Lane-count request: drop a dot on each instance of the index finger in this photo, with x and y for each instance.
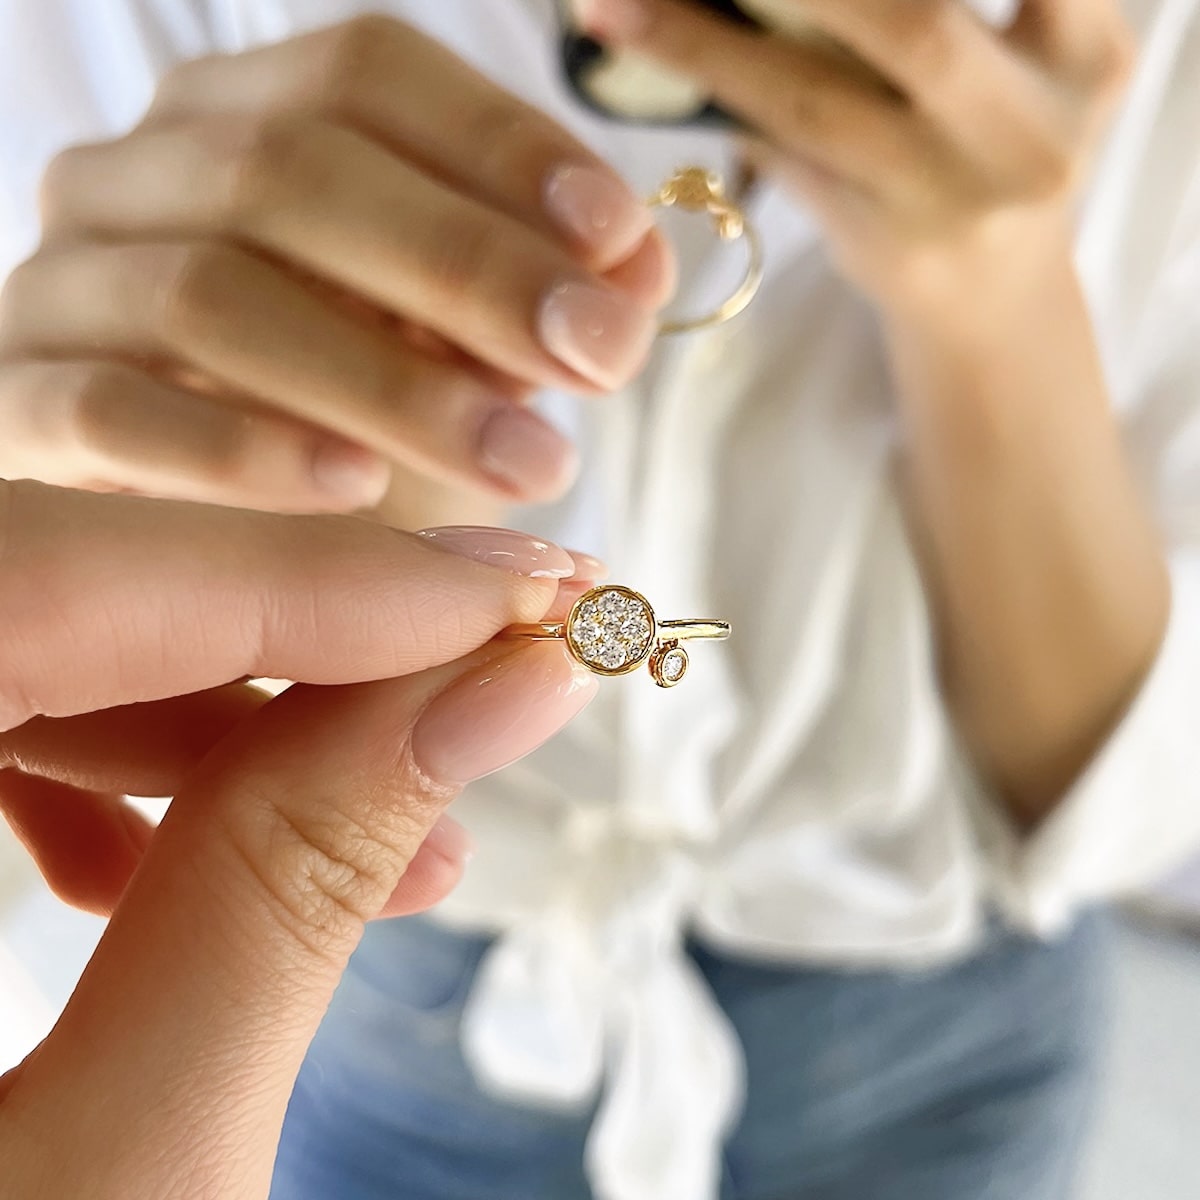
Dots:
(411, 93)
(109, 600)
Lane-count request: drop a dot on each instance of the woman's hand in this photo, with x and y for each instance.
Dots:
(295, 819)
(312, 261)
(958, 149)
(946, 175)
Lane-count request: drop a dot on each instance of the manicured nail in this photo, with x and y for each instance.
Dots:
(350, 473)
(503, 548)
(569, 590)
(595, 331)
(588, 566)
(450, 841)
(614, 20)
(527, 454)
(493, 717)
(595, 207)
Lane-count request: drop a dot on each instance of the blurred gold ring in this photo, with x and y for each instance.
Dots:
(694, 189)
(612, 630)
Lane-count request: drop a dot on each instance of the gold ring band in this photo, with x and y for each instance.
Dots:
(612, 630)
(694, 189)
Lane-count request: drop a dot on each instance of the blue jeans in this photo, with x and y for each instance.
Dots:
(968, 1082)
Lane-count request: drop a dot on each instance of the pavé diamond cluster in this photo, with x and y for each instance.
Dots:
(612, 630)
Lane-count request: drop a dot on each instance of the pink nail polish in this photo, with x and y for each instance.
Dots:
(527, 454)
(596, 208)
(506, 549)
(588, 566)
(496, 715)
(596, 331)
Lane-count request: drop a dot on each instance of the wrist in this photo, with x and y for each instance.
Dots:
(975, 287)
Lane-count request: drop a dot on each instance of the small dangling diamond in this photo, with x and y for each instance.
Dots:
(669, 664)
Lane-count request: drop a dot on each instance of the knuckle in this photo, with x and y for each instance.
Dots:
(325, 871)
(501, 128)
(264, 156)
(355, 54)
(461, 254)
(194, 290)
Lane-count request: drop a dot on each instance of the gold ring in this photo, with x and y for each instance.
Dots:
(694, 189)
(612, 630)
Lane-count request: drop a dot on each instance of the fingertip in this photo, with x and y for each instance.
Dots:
(651, 273)
(494, 715)
(450, 840)
(597, 210)
(430, 878)
(526, 455)
(588, 567)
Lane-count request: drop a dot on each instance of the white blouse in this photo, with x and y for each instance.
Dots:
(800, 796)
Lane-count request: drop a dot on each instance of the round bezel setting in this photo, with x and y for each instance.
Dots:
(669, 664)
(611, 629)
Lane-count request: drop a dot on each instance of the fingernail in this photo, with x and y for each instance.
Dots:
(488, 720)
(450, 841)
(614, 20)
(527, 454)
(506, 549)
(569, 590)
(350, 473)
(591, 204)
(588, 566)
(595, 331)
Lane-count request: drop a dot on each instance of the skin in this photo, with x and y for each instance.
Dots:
(324, 275)
(133, 355)
(946, 176)
(295, 820)
(136, 365)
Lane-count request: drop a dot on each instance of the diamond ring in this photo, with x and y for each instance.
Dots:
(612, 630)
(696, 190)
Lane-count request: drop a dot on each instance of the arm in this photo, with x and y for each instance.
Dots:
(946, 181)
(1044, 568)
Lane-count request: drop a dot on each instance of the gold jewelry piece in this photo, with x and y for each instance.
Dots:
(612, 630)
(694, 189)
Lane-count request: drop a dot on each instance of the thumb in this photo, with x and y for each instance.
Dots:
(175, 1058)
